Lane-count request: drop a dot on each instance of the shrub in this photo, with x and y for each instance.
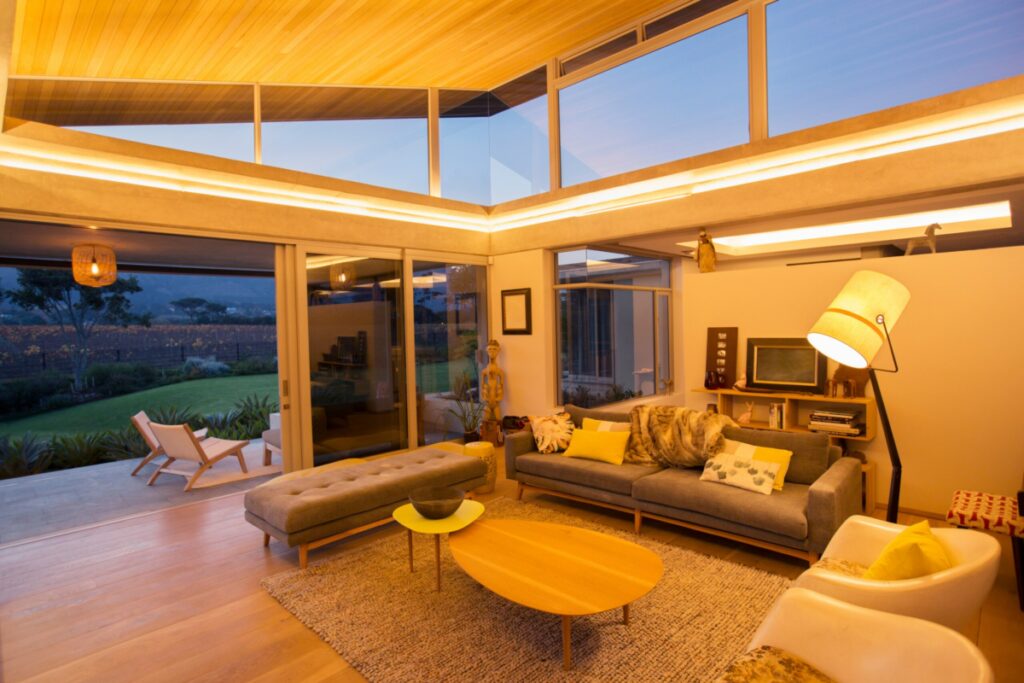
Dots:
(254, 366)
(177, 416)
(25, 395)
(78, 450)
(247, 420)
(196, 367)
(58, 401)
(124, 444)
(117, 379)
(24, 456)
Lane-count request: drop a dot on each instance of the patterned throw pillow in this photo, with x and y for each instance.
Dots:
(769, 664)
(592, 425)
(776, 455)
(742, 472)
(552, 433)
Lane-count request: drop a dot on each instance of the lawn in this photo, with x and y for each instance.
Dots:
(204, 396)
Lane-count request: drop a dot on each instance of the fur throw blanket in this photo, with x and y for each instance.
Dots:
(674, 437)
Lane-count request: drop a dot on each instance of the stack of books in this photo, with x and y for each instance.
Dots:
(838, 422)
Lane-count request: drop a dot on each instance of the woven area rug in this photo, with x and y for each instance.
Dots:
(391, 625)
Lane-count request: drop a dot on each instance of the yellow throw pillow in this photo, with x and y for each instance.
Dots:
(609, 447)
(914, 552)
(775, 456)
(592, 425)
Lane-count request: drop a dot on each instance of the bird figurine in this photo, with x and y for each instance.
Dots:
(704, 254)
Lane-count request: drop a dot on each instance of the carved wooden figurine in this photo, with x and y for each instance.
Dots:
(492, 383)
(746, 417)
(926, 240)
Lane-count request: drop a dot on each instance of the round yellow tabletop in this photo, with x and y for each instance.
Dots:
(465, 515)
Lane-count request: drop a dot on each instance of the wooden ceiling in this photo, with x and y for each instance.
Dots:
(469, 44)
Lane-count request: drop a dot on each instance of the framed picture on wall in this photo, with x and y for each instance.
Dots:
(516, 311)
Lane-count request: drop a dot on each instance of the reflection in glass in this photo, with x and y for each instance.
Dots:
(494, 145)
(833, 59)
(664, 345)
(356, 355)
(376, 136)
(598, 266)
(449, 313)
(684, 99)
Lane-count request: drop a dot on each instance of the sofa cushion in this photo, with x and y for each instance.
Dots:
(577, 414)
(783, 512)
(599, 475)
(295, 504)
(810, 451)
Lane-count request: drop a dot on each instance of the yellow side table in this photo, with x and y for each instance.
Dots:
(485, 451)
(407, 516)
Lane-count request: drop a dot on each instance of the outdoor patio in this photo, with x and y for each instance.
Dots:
(53, 502)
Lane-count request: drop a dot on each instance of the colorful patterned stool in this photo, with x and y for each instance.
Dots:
(1000, 514)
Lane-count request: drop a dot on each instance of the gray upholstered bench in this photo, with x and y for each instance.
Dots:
(320, 507)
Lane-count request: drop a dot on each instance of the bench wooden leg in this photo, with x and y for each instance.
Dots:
(266, 540)
(303, 555)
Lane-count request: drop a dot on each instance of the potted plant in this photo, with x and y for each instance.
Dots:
(468, 411)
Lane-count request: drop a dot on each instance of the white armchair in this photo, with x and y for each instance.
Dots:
(950, 597)
(856, 645)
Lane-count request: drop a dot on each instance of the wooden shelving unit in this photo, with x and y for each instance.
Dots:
(797, 406)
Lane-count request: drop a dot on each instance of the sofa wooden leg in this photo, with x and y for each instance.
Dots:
(266, 540)
(637, 521)
(812, 558)
(303, 555)
(519, 490)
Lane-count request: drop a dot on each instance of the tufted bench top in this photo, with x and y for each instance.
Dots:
(293, 505)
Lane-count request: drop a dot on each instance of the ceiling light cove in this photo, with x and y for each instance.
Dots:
(991, 216)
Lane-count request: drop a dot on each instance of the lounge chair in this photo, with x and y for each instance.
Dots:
(141, 422)
(180, 443)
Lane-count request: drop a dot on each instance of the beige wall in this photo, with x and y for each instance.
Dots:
(953, 406)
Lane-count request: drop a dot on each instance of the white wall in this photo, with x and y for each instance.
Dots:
(954, 406)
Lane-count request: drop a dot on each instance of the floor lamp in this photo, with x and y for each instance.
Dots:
(851, 332)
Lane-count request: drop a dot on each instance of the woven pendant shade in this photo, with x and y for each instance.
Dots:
(343, 276)
(93, 265)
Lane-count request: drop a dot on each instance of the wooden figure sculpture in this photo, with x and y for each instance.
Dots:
(925, 240)
(704, 254)
(745, 418)
(492, 383)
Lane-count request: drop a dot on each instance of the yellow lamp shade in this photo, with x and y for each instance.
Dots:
(93, 265)
(848, 331)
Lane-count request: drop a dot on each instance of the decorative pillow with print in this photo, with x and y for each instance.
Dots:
(552, 433)
(741, 471)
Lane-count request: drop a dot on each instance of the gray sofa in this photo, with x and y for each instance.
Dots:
(822, 489)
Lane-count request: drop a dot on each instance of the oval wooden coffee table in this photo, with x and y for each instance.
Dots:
(557, 569)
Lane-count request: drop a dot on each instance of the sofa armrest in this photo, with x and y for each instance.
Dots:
(516, 444)
(835, 496)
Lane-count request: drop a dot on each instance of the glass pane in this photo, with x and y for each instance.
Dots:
(832, 59)
(494, 145)
(450, 318)
(356, 356)
(208, 119)
(664, 345)
(368, 135)
(684, 99)
(594, 265)
(606, 345)
(598, 53)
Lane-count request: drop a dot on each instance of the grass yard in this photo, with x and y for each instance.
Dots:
(204, 396)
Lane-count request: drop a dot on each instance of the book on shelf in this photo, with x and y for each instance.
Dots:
(855, 429)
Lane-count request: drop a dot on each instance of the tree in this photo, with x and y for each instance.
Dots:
(192, 306)
(76, 308)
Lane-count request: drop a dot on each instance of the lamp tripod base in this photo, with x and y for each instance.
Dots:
(893, 508)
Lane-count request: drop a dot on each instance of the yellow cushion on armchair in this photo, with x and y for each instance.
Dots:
(912, 553)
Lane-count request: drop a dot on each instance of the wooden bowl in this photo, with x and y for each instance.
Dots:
(436, 502)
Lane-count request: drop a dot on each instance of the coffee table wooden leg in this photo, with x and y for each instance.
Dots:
(566, 643)
(437, 558)
(625, 615)
(411, 567)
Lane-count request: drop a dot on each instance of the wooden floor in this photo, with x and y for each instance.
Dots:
(174, 595)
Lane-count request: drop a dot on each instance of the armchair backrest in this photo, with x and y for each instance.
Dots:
(141, 422)
(179, 442)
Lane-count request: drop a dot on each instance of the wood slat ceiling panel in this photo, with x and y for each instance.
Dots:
(91, 103)
(469, 44)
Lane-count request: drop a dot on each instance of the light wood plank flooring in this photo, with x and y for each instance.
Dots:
(174, 595)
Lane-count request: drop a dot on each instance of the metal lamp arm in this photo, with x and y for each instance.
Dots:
(880, 319)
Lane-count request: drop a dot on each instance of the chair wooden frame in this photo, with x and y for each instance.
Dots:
(195, 451)
(141, 423)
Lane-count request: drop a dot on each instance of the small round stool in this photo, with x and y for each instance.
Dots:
(990, 512)
(485, 451)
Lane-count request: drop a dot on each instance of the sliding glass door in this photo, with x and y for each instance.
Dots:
(356, 356)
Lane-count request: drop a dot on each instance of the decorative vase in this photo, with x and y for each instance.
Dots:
(469, 437)
(485, 451)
